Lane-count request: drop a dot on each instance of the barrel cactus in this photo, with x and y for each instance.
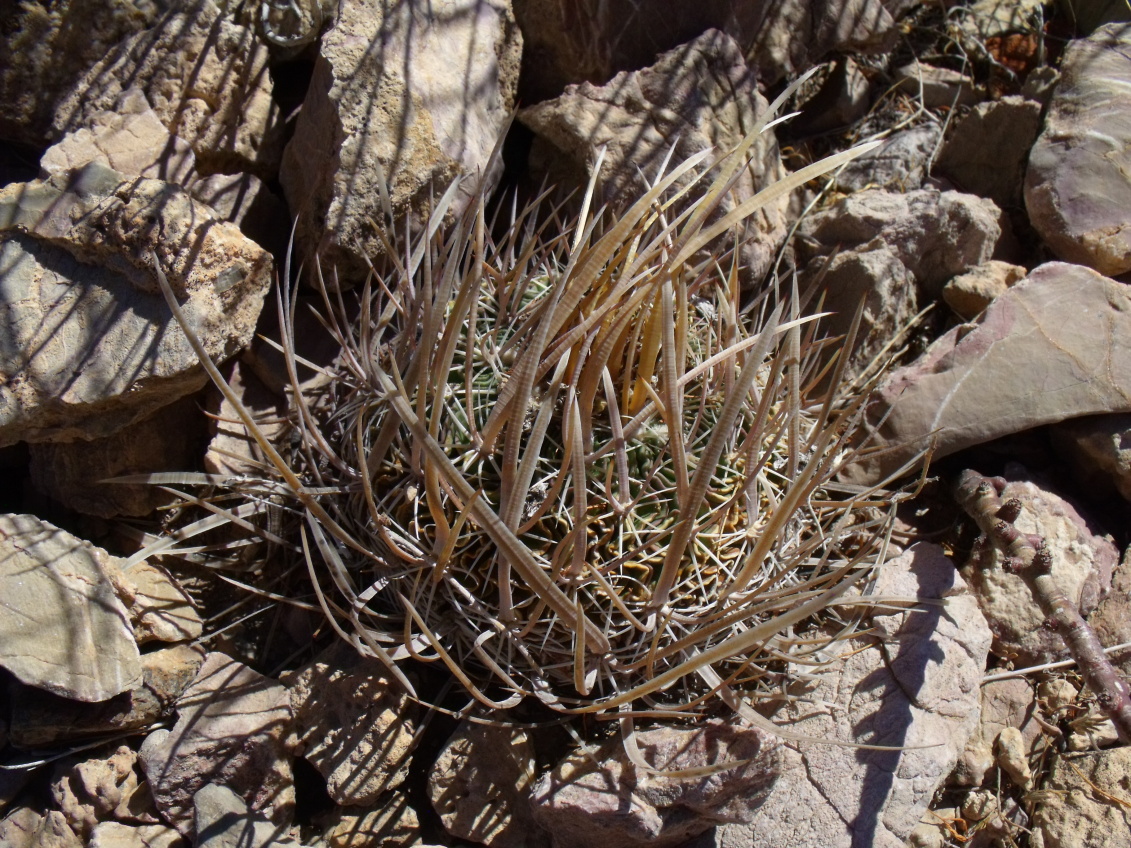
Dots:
(575, 462)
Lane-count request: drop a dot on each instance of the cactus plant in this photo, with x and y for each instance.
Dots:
(575, 462)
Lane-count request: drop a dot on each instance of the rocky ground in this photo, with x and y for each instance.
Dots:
(145, 702)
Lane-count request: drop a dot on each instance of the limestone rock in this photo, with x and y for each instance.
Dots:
(1076, 187)
(159, 608)
(221, 820)
(40, 719)
(73, 473)
(842, 99)
(1082, 565)
(56, 42)
(88, 343)
(970, 293)
(937, 87)
(918, 685)
(353, 724)
(231, 730)
(232, 450)
(1073, 814)
(899, 164)
(118, 835)
(700, 95)
(936, 235)
(413, 95)
(62, 626)
(479, 783)
(134, 141)
(391, 824)
(131, 140)
(876, 279)
(592, 41)
(26, 828)
(1004, 704)
(1055, 346)
(1112, 620)
(206, 77)
(1089, 14)
(1100, 447)
(601, 798)
(96, 789)
(987, 151)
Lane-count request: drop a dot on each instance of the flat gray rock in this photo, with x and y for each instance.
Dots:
(1055, 346)
(985, 154)
(917, 685)
(232, 728)
(1076, 187)
(599, 799)
(62, 625)
(221, 820)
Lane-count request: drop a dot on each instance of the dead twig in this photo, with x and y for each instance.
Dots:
(1028, 557)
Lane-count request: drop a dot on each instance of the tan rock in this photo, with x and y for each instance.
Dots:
(1082, 565)
(353, 724)
(1073, 814)
(915, 685)
(1013, 757)
(134, 141)
(935, 234)
(232, 450)
(96, 789)
(937, 87)
(970, 293)
(389, 102)
(1112, 620)
(480, 782)
(97, 227)
(62, 626)
(57, 41)
(206, 77)
(159, 608)
(899, 164)
(1100, 448)
(131, 140)
(392, 824)
(600, 798)
(26, 828)
(1004, 704)
(40, 719)
(988, 149)
(592, 41)
(118, 835)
